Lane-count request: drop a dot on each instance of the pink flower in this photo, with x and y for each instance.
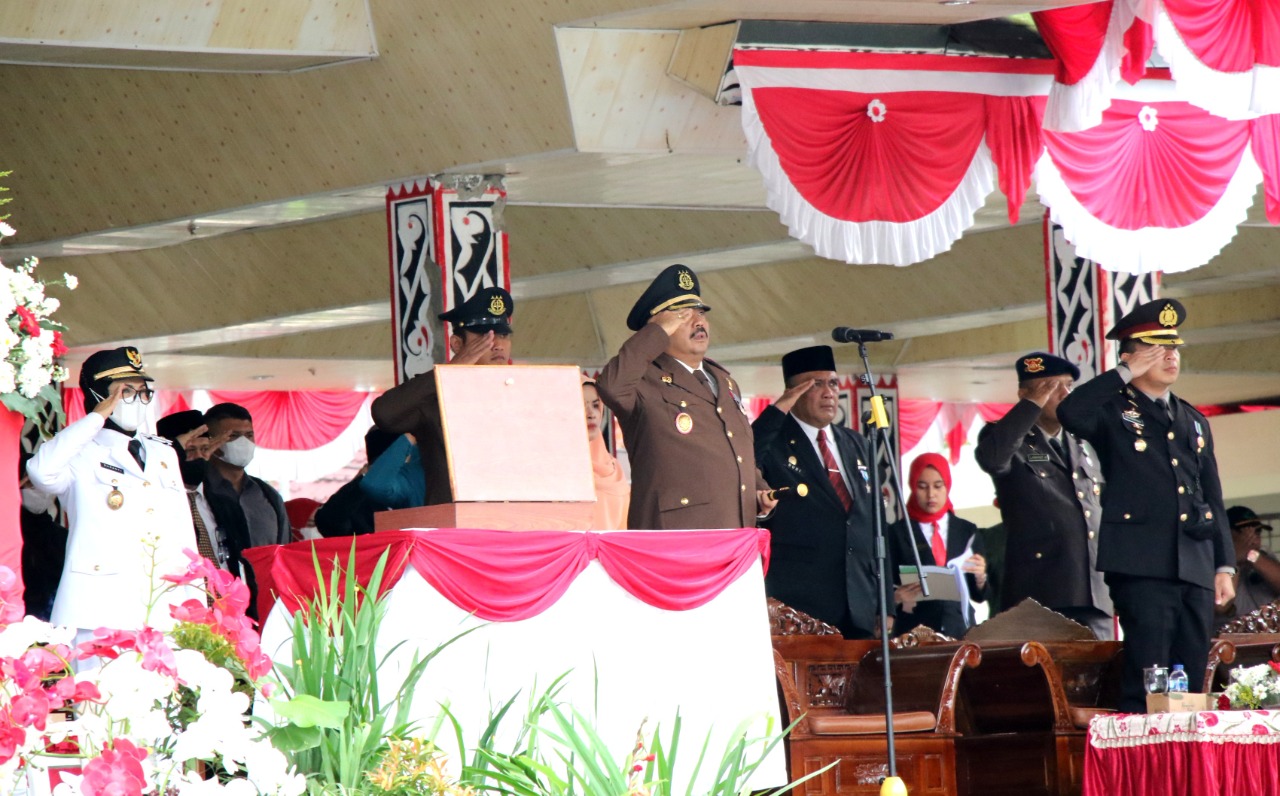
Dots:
(1211, 719)
(59, 348)
(11, 607)
(116, 772)
(68, 688)
(156, 655)
(191, 611)
(1260, 729)
(32, 709)
(1224, 703)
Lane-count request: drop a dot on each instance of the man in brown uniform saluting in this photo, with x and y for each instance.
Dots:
(686, 431)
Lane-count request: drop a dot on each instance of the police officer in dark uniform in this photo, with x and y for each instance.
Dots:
(481, 336)
(692, 462)
(1164, 545)
(1048, 486)
(822, 558)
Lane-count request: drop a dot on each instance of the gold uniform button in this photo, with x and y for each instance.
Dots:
(1182, 490)
(1182, 517)
(164, 465)
(719, 410)
(1043, 474)
(1088, 513)
(1039, 555)
(1175, 462)
(96, 568)
(744, 487)
(1074, 474)
(730, 433)
(684, 501)
(1170, 435)
(151, 511)
(683, 404)
(1080, 495)
(1090, 534)
(146, 483)
(739, 460)
(1128, 516)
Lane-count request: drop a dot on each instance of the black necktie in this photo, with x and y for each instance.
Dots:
(139, 455)
(1060, 449)
(706, 382)
(1165, 405)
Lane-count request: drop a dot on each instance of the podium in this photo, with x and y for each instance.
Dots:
(517, 451)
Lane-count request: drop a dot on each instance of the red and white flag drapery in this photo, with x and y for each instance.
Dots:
(874, 158)
(1224, 55)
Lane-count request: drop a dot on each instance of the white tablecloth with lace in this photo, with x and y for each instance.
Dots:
(1209, 752)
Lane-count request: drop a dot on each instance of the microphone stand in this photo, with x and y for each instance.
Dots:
(877, 435)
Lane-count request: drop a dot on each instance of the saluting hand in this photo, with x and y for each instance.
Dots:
(476, 348)
(672, 320)
(1041, 390)
(1144, 359)
(106, 405)
(793, 393)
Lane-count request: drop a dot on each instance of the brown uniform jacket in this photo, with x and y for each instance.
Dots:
(703, 479)
(414, 408)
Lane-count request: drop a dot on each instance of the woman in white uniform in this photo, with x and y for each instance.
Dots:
(123, 492)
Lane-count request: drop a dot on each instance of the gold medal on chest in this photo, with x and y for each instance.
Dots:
(1200, 443)
(1139, 445)
(684, 423)
(115, 499)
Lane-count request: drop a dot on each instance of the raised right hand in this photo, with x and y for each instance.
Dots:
(1144, 359)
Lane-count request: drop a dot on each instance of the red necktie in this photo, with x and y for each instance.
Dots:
(939, 547)
(833, 472)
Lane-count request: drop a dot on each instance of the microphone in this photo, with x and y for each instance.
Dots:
(843, 334)
(786, 492)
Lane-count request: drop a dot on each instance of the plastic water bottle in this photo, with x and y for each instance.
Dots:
(1178, 679)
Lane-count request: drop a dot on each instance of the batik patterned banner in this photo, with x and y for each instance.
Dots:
(473, 250)
(1073, 288)
(414, 279)
(1124, 292)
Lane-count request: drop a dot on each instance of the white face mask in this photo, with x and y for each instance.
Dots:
(238, 452)
(129, 416)
(36, 501)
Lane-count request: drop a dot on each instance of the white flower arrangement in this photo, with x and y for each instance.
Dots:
(1252, 687)
(30, 341)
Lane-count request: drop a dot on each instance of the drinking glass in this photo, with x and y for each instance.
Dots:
(1156, 679)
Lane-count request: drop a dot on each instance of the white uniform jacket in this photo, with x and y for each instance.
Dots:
(128, 525)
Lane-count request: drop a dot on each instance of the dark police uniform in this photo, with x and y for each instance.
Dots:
(1164, 533)
(414, 406)
(1051, 507)
(822, 559)
(692, 462)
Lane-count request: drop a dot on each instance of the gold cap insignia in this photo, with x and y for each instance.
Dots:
(497, 306)
(666, 379)
(1168, 316)
(135, 358)
(1033, 364)
(685, 280)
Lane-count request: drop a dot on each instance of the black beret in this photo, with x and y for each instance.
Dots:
(487, 311)
(807, 360)
(171, 426)
(673, 289)
(1154, 322)
(1039, 365)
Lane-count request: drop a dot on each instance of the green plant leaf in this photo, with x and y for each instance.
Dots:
(305, 710)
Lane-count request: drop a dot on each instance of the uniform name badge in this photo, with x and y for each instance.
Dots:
(684, 423)
(115, 499)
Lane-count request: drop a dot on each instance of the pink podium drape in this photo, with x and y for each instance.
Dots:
(10, 495)
(506, 576)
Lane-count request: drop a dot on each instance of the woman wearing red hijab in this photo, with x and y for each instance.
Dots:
(940, 537)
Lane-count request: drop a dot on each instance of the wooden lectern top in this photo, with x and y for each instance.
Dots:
(515, 433)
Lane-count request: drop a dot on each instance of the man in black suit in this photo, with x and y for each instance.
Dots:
(1048, 486)
(823, 558)
(1164, 545)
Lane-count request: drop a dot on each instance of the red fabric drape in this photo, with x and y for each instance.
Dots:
(298, 420)
(832, 150)
(990, 413)
(1225, 35)
(1131, 178)
(1075, 36)
(914, 419)
(1013, 136)
(72, 403)
(1264, 141)
(10, 496)
(506, 576)
(1183, 768)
